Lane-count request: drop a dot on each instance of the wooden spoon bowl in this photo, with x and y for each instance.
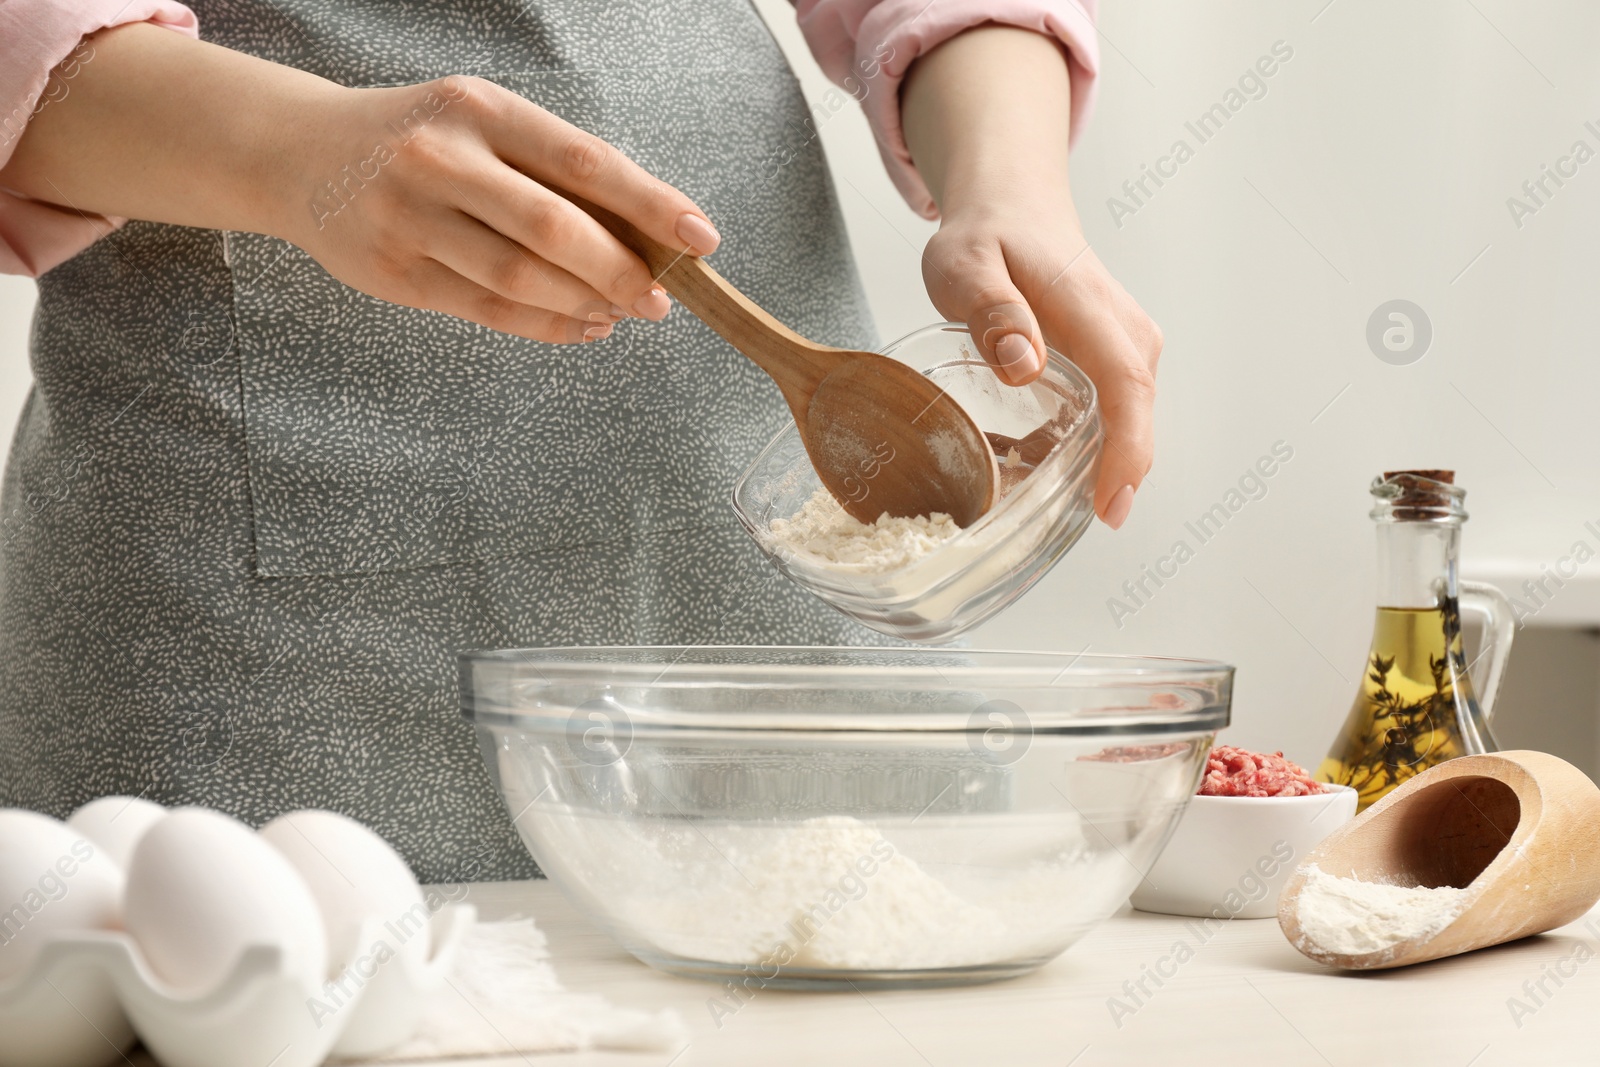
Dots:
(883, 438)
(1515, 829)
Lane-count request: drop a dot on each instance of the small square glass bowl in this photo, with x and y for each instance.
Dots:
(991, 563)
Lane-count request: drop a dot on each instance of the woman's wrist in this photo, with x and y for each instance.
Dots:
(985, 194)
(321, 145)
(288, 155)
(279, 146)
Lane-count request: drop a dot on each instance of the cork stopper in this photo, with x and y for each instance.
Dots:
(1419, 494)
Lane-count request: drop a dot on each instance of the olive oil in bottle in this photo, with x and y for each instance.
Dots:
(1416, 705)
(1405, 715)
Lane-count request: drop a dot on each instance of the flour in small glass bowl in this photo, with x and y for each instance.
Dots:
(927, 581)
(823, 530)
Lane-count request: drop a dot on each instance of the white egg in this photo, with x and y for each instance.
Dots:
(52, 880)
(203, 887)
(116, 824)
(354, 874)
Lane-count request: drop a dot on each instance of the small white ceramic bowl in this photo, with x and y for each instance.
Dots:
(1229, 856)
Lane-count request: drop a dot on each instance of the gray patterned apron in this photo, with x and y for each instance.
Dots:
(251, 515)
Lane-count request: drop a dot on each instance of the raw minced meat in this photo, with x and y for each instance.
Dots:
(1235, 772)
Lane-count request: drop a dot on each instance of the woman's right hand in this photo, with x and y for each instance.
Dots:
(436, 196)
(441, 196)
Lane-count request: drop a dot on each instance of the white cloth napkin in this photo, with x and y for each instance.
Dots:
(503, 997)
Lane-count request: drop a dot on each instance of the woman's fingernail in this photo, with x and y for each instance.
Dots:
(697, 233)
(1117, 510)
(653, 305)
(1017, 359)
(597, 333)
(618, 311)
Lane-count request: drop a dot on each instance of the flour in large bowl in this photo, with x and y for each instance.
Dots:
(837, 893)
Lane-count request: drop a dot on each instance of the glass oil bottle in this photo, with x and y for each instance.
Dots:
(1417, 705)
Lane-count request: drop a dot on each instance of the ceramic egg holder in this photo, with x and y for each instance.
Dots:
(1515, 829)
(88, 994)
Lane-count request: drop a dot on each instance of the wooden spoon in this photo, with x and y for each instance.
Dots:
(1515, 829)
(882, 437)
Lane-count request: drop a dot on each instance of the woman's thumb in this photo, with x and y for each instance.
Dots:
(982, 296)
(1009, 338)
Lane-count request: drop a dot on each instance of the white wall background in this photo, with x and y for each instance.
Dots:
(16, 309)
(1376, 166)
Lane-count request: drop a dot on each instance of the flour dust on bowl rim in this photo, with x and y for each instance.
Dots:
(809, 817)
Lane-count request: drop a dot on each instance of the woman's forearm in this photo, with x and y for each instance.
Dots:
(162, 127)
(445, 195)
(987, 116)
(986, 109)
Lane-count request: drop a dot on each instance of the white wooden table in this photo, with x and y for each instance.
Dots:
(1244, 996)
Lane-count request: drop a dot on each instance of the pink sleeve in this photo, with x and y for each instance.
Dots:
(35, 37)
(867, 46)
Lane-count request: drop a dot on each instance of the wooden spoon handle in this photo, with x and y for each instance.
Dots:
(791, 360)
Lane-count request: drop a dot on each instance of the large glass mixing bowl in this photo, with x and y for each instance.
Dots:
(807, 817)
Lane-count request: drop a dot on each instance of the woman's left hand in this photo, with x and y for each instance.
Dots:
(986, 116)
(1014, 266)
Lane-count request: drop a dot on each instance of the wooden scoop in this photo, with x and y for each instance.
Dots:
(882, 437)
(1515, 829)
